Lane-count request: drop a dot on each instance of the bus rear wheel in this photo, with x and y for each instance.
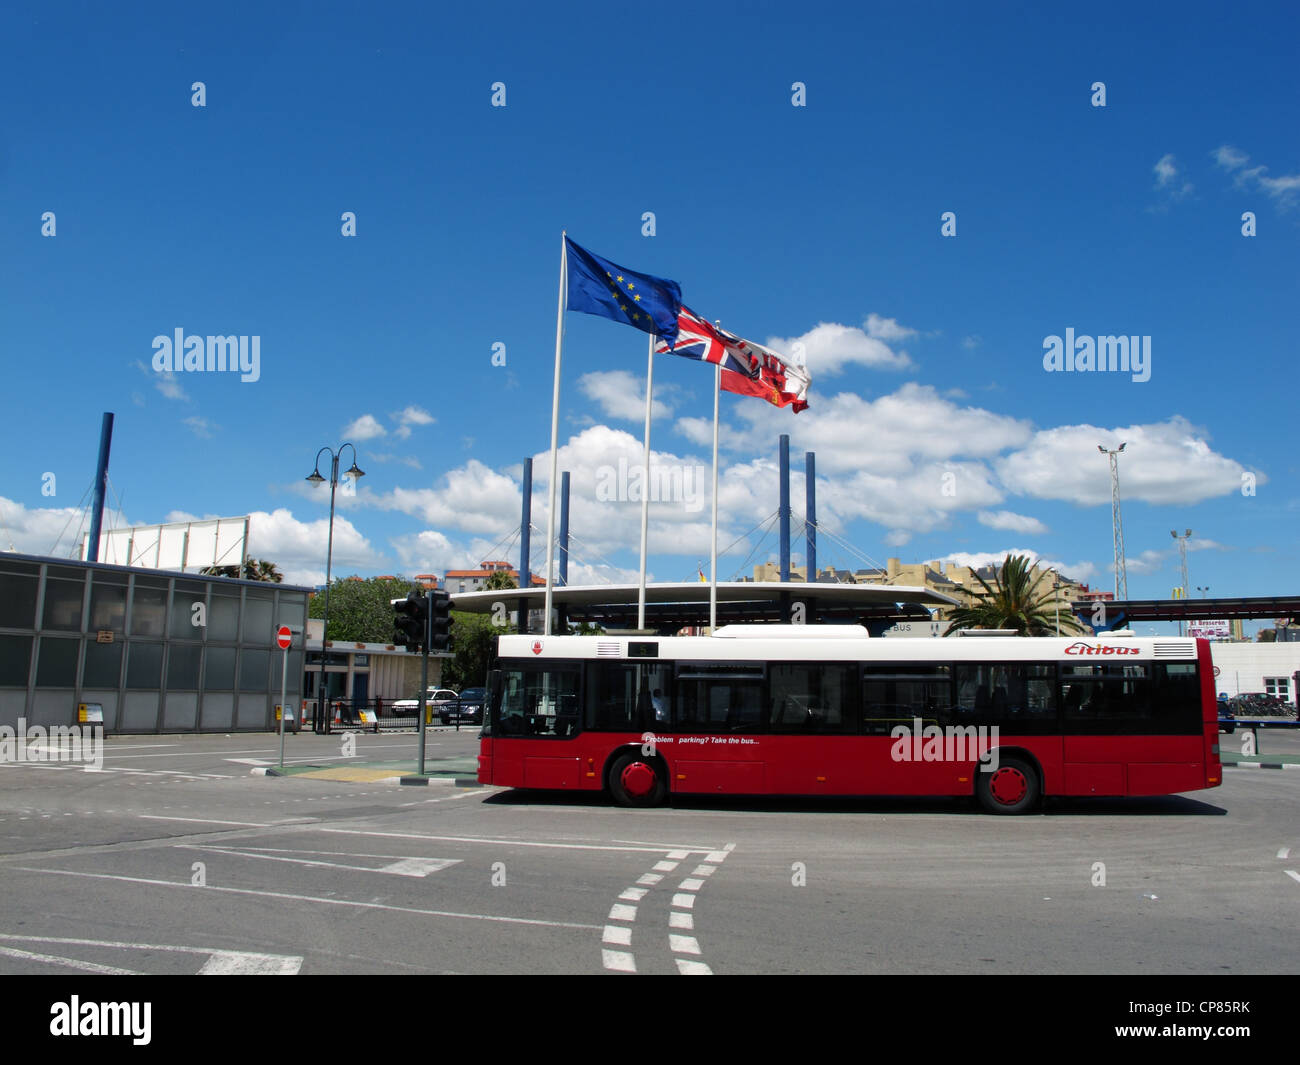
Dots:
(636, 781)
(1011, 788)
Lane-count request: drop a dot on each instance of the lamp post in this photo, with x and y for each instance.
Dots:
(322, 723)
(1117, 522)
(1182, 551)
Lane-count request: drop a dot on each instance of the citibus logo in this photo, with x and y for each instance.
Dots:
(954, 743)
(1081, 648)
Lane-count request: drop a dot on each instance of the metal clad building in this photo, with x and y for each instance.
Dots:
(160, 652)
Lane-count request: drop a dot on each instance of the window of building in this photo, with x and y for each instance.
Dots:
(219, 669)
(108, 602)
(254, 666)
(1279, 686)
(103, 665)
(149, 607)
(18, 585)
(56, 662)
(15, 660)
(181, 621)
(183, 661)
(144, 666)
(63, 604)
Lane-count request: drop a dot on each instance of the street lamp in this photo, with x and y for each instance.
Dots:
(1204, 591)
(356, 473)
(1117, 522)
(1182, 551)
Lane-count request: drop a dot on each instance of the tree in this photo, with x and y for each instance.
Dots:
(471, 641)
(1014, 601)
(361, 611)
(255, 569)
(500, 579)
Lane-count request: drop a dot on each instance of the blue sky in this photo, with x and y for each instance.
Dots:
(815, 225)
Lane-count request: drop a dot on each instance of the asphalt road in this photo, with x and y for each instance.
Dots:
(177, 859)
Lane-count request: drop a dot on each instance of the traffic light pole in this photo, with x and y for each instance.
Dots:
(424, 694)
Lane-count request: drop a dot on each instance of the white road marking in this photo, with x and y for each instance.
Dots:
(683, 944)
(634, 894)
(1293, 875)
(691, 884)
(649, 879)
(665, 867)
(478, 839)
(716, 857)
(681, 920)
(618, 960)
(70, 963)
(692, 968)
(704, 870)
(219, 961)
(242, 963)
(213, 821)
(404, 867)
(679, 855)
(617, 934)
(290, 897)
(618, 912)
(1284, 852)
(685, 902)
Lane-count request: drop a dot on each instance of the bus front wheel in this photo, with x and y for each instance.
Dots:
(1011, 788)
(636, 781)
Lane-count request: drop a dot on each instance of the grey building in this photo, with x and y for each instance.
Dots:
(159, 651)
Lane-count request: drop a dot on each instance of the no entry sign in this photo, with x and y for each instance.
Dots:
(284, 637)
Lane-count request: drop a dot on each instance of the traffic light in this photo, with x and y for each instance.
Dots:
(440, 621)
(411, 621)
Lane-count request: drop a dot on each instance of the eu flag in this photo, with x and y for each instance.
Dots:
(597, 286)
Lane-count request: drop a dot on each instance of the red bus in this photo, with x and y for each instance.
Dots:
(824, 710)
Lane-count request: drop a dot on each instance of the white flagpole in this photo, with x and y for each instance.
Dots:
(555, 425)
(713, 581)
(645, 479)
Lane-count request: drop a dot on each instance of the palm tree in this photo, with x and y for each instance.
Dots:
(1014, 601)
(254, 569)
(500, 579)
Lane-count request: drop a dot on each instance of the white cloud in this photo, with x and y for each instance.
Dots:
(887, 328)
(366, 427)
(1164, 462)
(298, 547)
(1076, 571)
(1005, 519)
(1168, 179)
(828, 347)
(407, 418)
(201, 427)
(169, 385)
(621, 394)
(1283, 190)
(49, 530)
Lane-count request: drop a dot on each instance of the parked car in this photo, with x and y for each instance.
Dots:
(468, 707)
(437, 698)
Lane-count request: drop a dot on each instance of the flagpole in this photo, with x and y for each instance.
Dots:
(713, 582)
(555, 430)
(645, 478)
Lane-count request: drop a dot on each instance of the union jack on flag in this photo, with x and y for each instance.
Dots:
(697, 339)
(748, 369)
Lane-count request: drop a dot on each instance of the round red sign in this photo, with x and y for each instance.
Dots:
(284, 637)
